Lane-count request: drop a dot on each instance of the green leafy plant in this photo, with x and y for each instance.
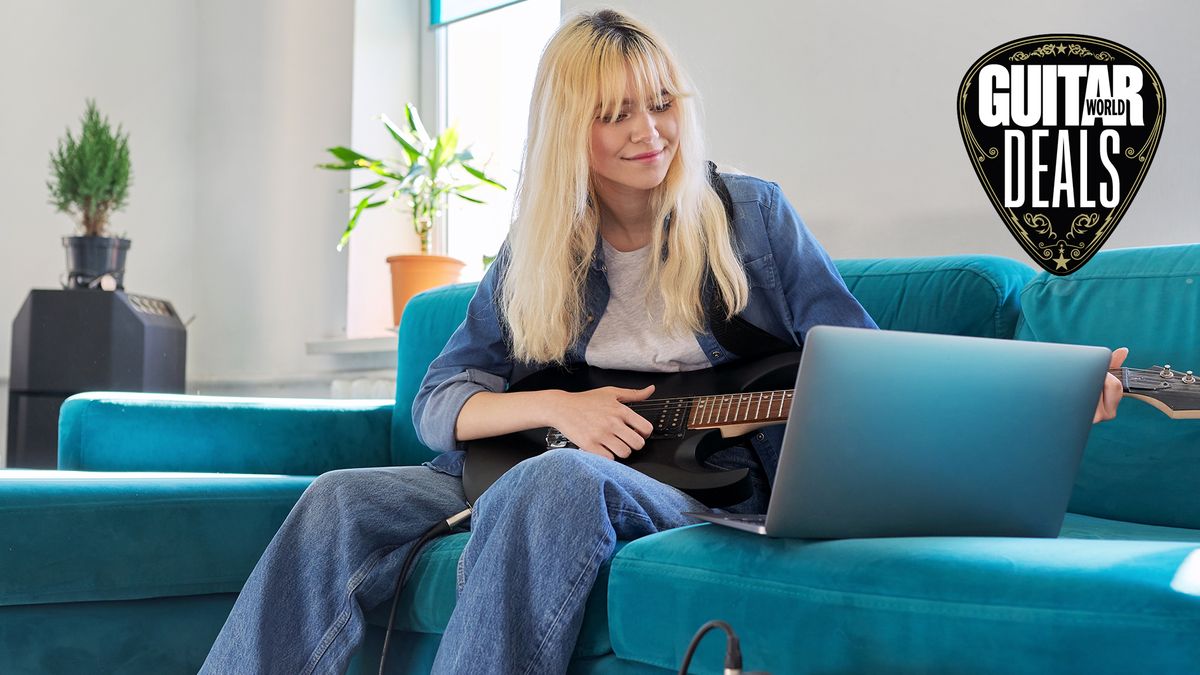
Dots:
(91, 176)
(427, 172)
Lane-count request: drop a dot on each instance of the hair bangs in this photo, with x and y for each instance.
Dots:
(654, 80)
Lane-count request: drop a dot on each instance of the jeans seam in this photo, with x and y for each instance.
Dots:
(339, 624)
(638, 514)
(533, 660)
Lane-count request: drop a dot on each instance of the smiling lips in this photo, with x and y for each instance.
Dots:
(646, 156)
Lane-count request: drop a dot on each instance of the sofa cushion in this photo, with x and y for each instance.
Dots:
(980, 605)
(74, 536)
(973, 295)
(1142, 466)
(152, 636)
(428, 600)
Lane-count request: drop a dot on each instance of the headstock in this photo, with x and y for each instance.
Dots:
(1175, 394)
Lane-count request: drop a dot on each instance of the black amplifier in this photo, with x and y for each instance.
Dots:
(69, 341)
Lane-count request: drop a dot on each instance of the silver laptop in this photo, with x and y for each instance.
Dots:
(912, 434)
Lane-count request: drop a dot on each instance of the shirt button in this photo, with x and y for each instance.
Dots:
(761, 436)
(716, 354)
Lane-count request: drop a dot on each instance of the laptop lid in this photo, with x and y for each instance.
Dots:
(911, 434)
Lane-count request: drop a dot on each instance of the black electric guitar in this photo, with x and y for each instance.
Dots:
(695, 414)
(700, 412)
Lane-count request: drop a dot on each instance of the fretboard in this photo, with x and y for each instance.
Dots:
(758, 406)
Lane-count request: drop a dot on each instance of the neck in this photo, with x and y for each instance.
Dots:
(625, 218)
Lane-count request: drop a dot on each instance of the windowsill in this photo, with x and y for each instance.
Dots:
(355, 354)
(379, 345)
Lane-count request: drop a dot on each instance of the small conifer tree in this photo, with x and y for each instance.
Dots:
(91, 176)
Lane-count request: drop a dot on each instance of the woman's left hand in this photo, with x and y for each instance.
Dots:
(1110, 397)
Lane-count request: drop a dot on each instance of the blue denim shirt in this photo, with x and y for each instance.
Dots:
(793, 287)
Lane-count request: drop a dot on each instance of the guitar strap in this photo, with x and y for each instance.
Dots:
(737, 335)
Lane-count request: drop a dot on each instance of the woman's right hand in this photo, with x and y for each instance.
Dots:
(599, 422)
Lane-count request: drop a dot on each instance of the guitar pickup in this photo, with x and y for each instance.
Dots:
(669, 419)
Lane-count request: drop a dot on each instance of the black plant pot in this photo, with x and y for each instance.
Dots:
(90, 259)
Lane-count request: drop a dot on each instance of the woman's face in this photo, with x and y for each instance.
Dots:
(619, 145)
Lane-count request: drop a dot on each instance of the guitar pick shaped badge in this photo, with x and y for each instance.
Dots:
(1061, 130)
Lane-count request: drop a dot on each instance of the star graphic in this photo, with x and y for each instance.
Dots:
(1060, 263)
(1061, 50)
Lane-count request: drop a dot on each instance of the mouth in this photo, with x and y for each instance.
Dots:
(647, 156)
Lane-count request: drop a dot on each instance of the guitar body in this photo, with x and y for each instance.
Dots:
(674, 453)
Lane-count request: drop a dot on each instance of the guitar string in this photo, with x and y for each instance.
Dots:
(737, 399)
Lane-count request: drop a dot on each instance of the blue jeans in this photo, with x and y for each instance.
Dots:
(538, 538)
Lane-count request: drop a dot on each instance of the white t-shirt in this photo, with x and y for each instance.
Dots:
(629, 335)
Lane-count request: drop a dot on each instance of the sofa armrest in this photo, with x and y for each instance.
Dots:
(107, 431)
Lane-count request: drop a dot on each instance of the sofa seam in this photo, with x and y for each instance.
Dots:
(900, 603)
(164, 591)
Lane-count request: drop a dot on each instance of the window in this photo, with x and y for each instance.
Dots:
(477, 71)
(488, 71)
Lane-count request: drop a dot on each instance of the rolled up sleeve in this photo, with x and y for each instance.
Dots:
(476, 358)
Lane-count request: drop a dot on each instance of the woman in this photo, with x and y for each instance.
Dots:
(614, 171)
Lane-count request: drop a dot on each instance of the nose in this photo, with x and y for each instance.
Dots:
(643, 127)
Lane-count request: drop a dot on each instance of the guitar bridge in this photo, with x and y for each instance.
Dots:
(556, 439)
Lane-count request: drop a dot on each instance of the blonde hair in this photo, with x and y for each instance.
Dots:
(556, 219)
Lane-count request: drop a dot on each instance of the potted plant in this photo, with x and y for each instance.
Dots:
(90, 179)
(429, 170)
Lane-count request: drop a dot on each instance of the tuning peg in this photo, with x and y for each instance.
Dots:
(1166, 372)
(1188, 378)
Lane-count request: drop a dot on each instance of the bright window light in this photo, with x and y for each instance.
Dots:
(491, 60)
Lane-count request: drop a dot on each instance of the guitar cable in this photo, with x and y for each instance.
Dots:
(733, 649)
(441, 528)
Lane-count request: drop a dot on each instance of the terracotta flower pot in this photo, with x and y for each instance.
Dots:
(412, 274)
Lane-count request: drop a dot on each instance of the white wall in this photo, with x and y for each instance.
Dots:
(850, 106)
(387, 35)
(229, 104)
(273, 85)
(138, 60)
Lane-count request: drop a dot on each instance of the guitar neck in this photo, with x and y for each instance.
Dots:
(756, 407)
(725, 411)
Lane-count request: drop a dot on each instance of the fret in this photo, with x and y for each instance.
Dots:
(755, 406)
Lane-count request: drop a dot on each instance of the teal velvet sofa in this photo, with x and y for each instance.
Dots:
(128, 559)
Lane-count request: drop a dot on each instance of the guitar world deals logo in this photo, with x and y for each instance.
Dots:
(1061, 130)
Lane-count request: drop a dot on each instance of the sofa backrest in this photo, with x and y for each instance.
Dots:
(1142, 466)
(429, 320)
(973, 295)
(958, 295)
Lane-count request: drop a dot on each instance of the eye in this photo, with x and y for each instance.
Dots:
(664, 107)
